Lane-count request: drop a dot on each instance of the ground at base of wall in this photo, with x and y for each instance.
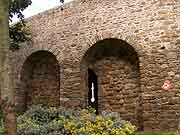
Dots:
(157, 133)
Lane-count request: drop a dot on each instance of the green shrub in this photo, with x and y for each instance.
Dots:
(42, 120)
(158, 133)
(1, 122)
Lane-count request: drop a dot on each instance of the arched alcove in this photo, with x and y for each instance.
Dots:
(116, 65)
(40, 80)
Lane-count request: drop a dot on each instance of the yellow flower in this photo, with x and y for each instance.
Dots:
(109, 123)
(99, 118)
(105, 133)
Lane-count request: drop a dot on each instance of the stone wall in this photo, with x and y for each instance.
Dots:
(120, 89)
(40, 81)
(151, 27)
(117, 67)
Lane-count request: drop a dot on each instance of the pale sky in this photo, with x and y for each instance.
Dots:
(40, 6)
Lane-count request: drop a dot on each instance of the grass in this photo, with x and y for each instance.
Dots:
(158, 133)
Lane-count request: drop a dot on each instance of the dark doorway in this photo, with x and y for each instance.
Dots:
(93, 90)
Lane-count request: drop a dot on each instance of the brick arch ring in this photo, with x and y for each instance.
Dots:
(27, 51)
(130, 39)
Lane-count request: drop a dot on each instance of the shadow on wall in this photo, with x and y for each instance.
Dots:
(116, 65)
(40, 81)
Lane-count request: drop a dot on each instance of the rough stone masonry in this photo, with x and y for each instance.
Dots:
(132, 46)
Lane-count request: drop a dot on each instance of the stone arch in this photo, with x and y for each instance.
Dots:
(39, 80)
(131, 39)
(28, 50)
(116, 64)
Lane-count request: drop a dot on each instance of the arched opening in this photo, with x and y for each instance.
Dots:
(116, 65)
(93, 90)
(40, 81)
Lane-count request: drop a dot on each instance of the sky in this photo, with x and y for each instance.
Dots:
(40, 6)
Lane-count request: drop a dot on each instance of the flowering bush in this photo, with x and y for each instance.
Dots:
(41, 120)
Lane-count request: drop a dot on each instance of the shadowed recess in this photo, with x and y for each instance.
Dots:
(40, 80)
(116, 65)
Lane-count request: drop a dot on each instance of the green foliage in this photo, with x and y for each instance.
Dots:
(1, 117)
(178, 130)
(2, 130)
(62, 1)
(158, 133)
(17, 7)
(1, 122)
(18, 32)
(42, 120)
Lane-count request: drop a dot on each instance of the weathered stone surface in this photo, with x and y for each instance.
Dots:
(40, 81)
(133, 89)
